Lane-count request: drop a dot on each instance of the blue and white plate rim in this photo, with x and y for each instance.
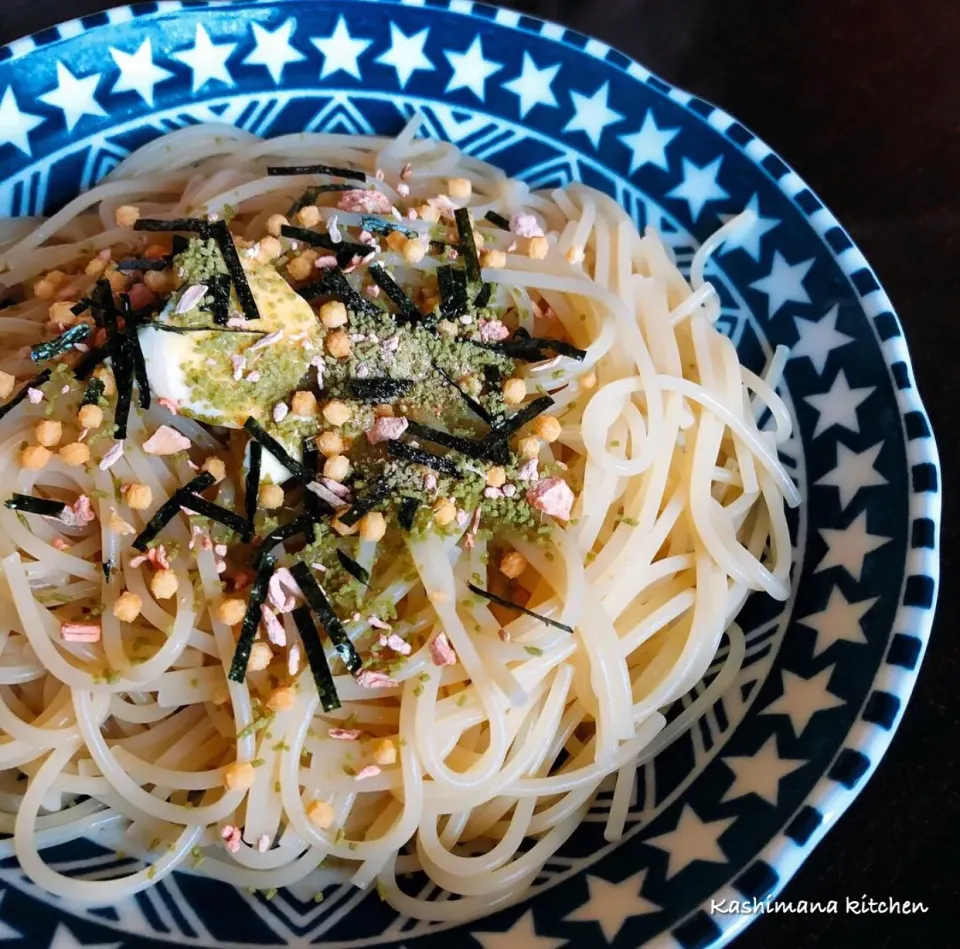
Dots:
(829, 798)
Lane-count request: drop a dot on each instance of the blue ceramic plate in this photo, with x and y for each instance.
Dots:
(730, 810)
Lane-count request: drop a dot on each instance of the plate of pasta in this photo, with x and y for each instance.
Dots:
(453, 484)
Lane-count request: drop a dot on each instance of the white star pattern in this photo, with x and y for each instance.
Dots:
(838, 620)
(692, 839)
(16, 126)
(855, 470)
(848, 548)
(819, 338)
(207, 60)
(64, 939)
(274, 49)
(839, 405)
(784, 283)
(471, 69)
(340, 51)
(74, 97)
(748, 239)
(760, 773)
(803, 698)
(138, 72)
(591, 114)
(649, 145)
(699, 186)
(612, 904)
(522, 933)
(406, 54)
(533, 85)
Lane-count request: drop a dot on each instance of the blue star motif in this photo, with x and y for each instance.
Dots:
(138, 72)
(784, 283)
(533, 85)
(16, 126)
(471, 69)
(274, 49)
(748, 238)
(207, 60)
(649, 145)
(699, 186)
(406, 54)
(340, 51)
(592, 114)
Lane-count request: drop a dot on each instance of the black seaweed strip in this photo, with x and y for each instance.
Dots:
(483, 297)
(353, 568)
(31, 505)
(256, 431)
(80, 307)
(123, 372)
(470, 402)
(533, 348)
(221, 234)
(219, 289)
(498, 219)
(380, 389)
(107, 568)
(394, 291)
(317, 659)
(516, 606)
(170, 328)
(179, 245)
(311, 462)
(418, 456)
(158, 263)
(407, 512)
(335, 284)
(476, 450)
(276, 171)
(131, 341)
(453, 292)
(90, 361)
(170, 508)
(218, 513)
(527, 414)
(252, 483)
(33, 383)
(93, 392)
(251, 620)
(190, 224)
(373, 499)
(104, 310)
(468, 246)
(314, 595)
(345, 250)
(311, 194)
(299, 525)
(58, 346)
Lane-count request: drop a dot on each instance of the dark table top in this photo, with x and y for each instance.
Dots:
(862, 97)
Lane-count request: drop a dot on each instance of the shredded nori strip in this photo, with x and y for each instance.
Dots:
(407, 512)
(257, 432)
(251, 620)
(104, 311)
(314, 595)
(216, 512)
(170, 328)
(311, 194)
(468, 246)
(477, 450)
(31, 505)
(78, 308)
(335, 283)
(171, 508)
(418, 456)
(311, 463)
(252, 483)
(483, 297)
(345, 251)
(93, 392)
(218, 287)
(394, 291)
(131, 342)
(58, 346)
(373, 499)
(155, 263)
(221, 234)
(190, 224)
(353, 568)
(498, 219)
(468, 399)
(378, 389)
(276, 171)
(317, 659)
(90, 362)
(453, 292)
(34, 383)
(515, 422)
(533, 348)
(486, 594)
(299, 525)
(379, 225)
(107, 568)
(123, 372)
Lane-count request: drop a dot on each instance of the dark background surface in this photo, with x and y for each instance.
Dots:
(862, 97)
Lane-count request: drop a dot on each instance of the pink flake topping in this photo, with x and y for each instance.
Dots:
(366, 202)
(169, 405)
(191, 297)
(325, 262)
(370, 771)
(552, 496)
(396, 643)
(275, 631)
(80, 632)
(403, 189)
(80, 513)
(529, 471)
(239, 363)
(378, 623)
(525, 225)
(293, 659)
(345, 734)
(141, 295)
(492, 331)
(166, 441)
(372, 291)
(279, 599)
(406, 173)
(266, 341)
(34, 396)
(60, 544)
(387, 429)
(263, 844)
(231, 837)
(368, 679)
(441, 651)
(113, 455)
